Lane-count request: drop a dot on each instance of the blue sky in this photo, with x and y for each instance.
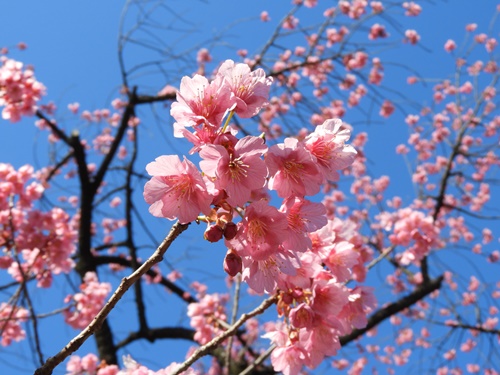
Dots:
(73, 46)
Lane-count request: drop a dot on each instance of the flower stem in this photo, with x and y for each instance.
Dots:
(224, 128)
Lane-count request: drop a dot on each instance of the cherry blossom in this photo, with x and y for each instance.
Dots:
(292, 169)
(238, 169)
(11, 318)
(87, 303)
(176, 190)
(327, 145)
(250, 89)
(261, 231)
(309, 254)
(19, 90)
(200, 102)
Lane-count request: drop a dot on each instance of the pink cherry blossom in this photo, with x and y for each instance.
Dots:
(377, 6)
(131, 367)
(90, 365)
(261, 231)
(19, 90)
(303, 217)
(87, 303)
(250, 89)
(203, 56)
(329, 297)
(320, 341)
(412, 9)
(327, 145)
(288, 359)
(11, 318)
(265, 275)
(237, 169)
(202, 103)
(205, 315)
(377, 31)
(264, 16)
(411, 36)
(176, 190)
(416, 232)
(292, 169)
(387, 109)
(302, 316)
(450, 45)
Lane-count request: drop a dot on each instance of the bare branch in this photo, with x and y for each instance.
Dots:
(153, 334)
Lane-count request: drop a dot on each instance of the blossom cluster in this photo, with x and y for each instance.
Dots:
(88, 302)
(40, 243)
(19, 90)
(413, 230)
(89, 365)
(206, 316)
(11, 318)
(280, 248)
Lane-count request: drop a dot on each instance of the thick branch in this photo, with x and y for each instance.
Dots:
(126, 283)
(394, 308)
(148, 99)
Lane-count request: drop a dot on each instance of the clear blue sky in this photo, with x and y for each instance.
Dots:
(73, 46)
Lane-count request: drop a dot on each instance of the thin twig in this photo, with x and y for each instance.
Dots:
(382, 255)
(205, 349)
(258, 361)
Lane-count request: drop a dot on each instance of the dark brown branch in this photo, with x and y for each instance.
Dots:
(59, 165)
(103, 335)
(474, 328)
(127, 115)
(153, 334)
(55, 129)
(394, 308)
(148, 99)
(110, 245)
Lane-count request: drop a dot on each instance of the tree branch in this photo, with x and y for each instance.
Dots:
(153, 334)
(394, 308)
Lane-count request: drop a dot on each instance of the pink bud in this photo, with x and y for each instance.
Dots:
(213, 233)
(232, 263)
(230, 231)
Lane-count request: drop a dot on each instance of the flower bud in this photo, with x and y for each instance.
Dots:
(213, 233)
(230, 231)
(232, 263)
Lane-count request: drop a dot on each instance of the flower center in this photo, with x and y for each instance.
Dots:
(257, 230)
(293, 169)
